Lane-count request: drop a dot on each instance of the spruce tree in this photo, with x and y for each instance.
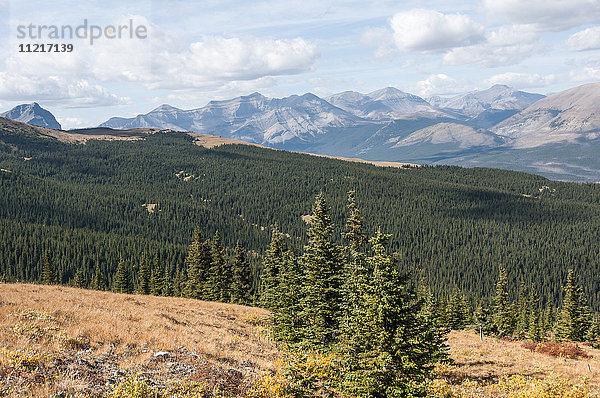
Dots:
(198, 262)
(49, 273)
(157, 280)
(503, 317)
(220, 273)
(241, 277)
(144, 276)
(534, 327)
(287, 320)
(523, 316)
(574, 318)
(98, 281)
(79, 279)
(458, 311)
(271, 264)
(396, 348)
(356, 273)
(121, 280)
(323, 266)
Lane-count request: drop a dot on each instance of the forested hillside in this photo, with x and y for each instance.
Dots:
(92, 205)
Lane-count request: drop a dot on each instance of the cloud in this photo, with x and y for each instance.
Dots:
(439, 84)
(547, 15)
(585, 71)
(522, 80)
(165, 61)
(56, 90)
(427, 30)
(588, 39)
(68, 123)
(507, 45)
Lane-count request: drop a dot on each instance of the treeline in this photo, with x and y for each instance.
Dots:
(84, 204)
(521, 318)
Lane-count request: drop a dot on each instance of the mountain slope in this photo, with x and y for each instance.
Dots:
(32, 114)
(570, 116)
(499, 97)
(386, 104)
(254, 118)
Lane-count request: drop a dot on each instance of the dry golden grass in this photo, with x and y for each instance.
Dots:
(486, 362)
(122, 321)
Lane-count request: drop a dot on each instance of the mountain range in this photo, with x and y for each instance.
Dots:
(556, 136)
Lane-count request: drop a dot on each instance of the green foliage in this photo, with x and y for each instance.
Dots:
(322, 262)
(241, 283)
(79, 279)
(269, 281)
(503, 316)
(49, 275)
(144, 275)
(219, 278)
(574, 319)
(198, 262)
(122, 279)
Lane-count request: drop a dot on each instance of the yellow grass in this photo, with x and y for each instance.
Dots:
(158, 323)
(480, 365)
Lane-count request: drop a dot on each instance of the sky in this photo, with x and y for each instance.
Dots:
(196, 51)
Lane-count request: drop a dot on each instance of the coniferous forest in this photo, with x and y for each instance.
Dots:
(323, 244)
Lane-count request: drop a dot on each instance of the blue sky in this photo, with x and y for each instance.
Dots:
(196, 51)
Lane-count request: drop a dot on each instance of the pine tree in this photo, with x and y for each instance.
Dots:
(198, 263)
(157, 279)
(79, 279)
(356, 273)
(458, 311)
(98, 282)
(396, 348)
(220, 273)
(122, 281)
(323, 266)
(49, 272)
(523, 316)
(574, 319)
(534, 327)
(287, 321)
(503, 318)
(241, 275)
(548, 318)
(144, 276)
(269, 277)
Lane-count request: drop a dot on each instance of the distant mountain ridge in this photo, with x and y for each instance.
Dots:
(556, 136)
(32, 114)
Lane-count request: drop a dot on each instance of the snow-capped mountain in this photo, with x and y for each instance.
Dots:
(32, 114)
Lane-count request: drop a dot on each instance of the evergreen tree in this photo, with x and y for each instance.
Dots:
(548, 318)
(323, 266)
(458, 311)
(220, 273)
(157, 280)
(144, 276)
(287, 321)
(396, 348)
(241, 275)
(79, 279)
(198, 262)
(356, 273)
(49, 274)
(523, 316)
(98, 282)
(573, 321)
(122, 281)
(534, 327)
(271, 264)
(503, 318)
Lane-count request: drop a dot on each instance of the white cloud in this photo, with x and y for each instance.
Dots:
(439, 84)
(56, 90)
(382, 39)
(550, 15)
(68, 123)
(588, 39)
(507, 45)
(522, 80)
(588, 70)
(427, 30)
